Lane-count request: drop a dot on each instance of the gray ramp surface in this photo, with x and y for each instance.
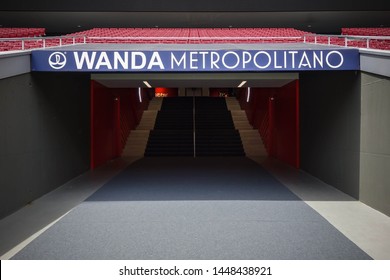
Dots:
(192, 208)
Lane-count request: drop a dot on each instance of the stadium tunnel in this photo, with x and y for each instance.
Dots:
(259, 85)
(315, 118)
(303, 131)
(81, 120)
(99, 129)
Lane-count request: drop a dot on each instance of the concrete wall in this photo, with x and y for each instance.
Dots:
(375, 142)
(14, 64)
(375, 62)
(44, 135)
(330, 128)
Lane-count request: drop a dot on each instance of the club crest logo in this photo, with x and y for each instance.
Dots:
(57, 60)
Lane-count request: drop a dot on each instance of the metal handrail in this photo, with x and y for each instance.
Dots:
(194, 38)
(369, 42)
(42, 42)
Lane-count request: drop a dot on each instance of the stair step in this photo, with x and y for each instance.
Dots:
(238, 112)
(215, 128)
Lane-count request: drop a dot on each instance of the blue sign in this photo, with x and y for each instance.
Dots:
(194, 61)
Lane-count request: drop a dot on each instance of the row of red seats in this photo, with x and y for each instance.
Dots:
(6, 32)
(193, 40)
(36, 43)
(192, 32)
(375, 31)
(356, 42)
(193, 36)
(374, 43)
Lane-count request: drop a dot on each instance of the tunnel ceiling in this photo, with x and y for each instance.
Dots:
(195, 80)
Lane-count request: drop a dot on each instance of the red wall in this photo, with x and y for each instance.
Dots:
(257, 106)
(275, 113)
(129, 113)
(168, 92)
(102, 124)
(114, 113)
(286, 117)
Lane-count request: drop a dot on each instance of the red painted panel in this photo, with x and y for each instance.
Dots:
(92, 121)
(287, 124)
(114, 113)
(102, 128)
(117, 127)
(297, 127)
(272, 136)
(166, 92)
(275, 113)
(132, 104)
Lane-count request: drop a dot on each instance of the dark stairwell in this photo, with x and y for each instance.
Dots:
(206, 120)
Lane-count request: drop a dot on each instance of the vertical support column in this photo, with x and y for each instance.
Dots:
(271, 112)
(92, 130)
(193, 124)
(117, 126)
(297, 126)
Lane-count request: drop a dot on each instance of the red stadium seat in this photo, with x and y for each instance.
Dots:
(375, 43)
(191, 35)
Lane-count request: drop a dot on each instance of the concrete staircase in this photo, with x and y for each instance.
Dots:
(172, 134)
(138, 138)
(216, 134)
(250, 137)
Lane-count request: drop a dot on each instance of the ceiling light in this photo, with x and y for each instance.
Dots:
(242, 83)
(140, 95)
(147, 84)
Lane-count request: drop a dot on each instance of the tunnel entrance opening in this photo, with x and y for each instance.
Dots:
(197, 114)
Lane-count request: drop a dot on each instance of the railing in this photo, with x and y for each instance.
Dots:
(194, 39)
(21, 44)
(367, 42)
(29, 43)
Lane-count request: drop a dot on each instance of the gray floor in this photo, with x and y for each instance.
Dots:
(365, 226)
(182, 222)
(18, 229)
